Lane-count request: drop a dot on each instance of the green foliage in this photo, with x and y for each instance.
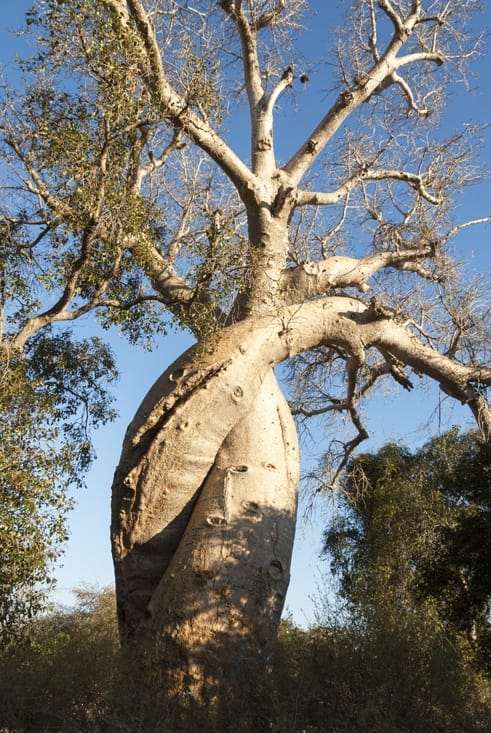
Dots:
(61, 669)
(50, 398)
(413, 534)
(340, 678)
(74, 132)
(84, 230)
(68, 676)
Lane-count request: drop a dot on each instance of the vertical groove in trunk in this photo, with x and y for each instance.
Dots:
(220, 600)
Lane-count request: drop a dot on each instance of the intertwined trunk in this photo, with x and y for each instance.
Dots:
(204, 509)
(204, 496)
(219, 602)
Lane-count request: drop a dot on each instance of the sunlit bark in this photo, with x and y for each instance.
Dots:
(132, 179)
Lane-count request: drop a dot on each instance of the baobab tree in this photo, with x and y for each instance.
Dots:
(335, 259)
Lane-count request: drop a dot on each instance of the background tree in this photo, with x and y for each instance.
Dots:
(51, 396)
(128, 200)
(412, 537)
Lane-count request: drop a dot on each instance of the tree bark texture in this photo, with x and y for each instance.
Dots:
(220, 600)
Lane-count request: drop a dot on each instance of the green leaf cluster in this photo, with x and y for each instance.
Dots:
(76, 227)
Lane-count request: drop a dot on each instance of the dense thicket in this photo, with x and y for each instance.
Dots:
(69, 676)
(413, 538)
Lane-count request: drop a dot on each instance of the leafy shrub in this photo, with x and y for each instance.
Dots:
(68, 676)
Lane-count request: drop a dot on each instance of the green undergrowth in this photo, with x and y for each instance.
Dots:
(67, 675)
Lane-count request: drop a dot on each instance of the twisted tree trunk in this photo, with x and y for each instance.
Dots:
(204, 508)
(204, 496)
(218, 605)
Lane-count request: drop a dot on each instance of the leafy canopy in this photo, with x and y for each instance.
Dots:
(51, 396)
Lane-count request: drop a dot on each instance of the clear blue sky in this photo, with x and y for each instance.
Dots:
(410, 418)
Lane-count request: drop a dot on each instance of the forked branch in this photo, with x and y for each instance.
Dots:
(311, 279)
(172, 106)
(381, 75)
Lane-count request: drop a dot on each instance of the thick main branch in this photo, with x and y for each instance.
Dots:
(310, 279)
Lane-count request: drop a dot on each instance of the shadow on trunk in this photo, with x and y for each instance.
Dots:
(200, 600)
(218, 606)
(205, 647)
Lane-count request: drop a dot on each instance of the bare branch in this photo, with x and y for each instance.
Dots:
(269, 18)
(406, 90)
(396, 19)
(175, 109)
(349, 447)
(142, 171)
(327, 236)
(373, 38)
(250, 60)
(321, 198)
(371, 82)
(472, 222)
(284, 82)
(310, 279)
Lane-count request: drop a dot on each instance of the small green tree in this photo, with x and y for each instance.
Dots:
(51, 395)
(413, 534)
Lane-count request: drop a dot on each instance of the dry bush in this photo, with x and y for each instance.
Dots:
(68, 676)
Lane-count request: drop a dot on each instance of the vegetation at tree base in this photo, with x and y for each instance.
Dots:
(126, 198)
(405, 647)
(69, 676)
(412, 538)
